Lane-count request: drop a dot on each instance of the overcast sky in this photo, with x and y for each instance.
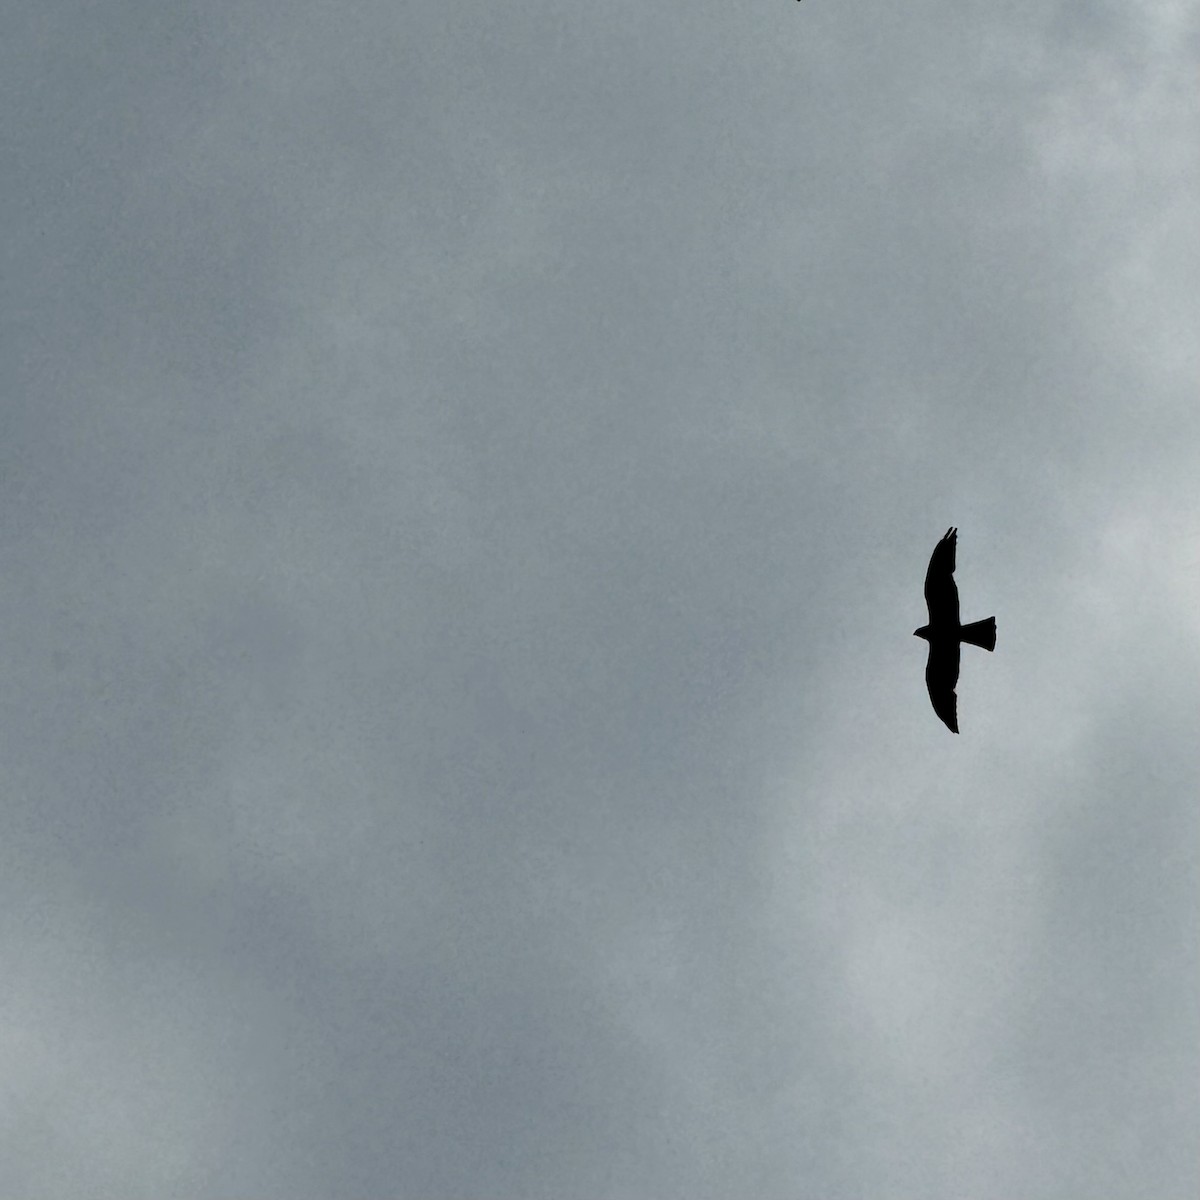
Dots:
(468, 473)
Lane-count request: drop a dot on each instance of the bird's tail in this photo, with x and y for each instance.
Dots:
(980, 633)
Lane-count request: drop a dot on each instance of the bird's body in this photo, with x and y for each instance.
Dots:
(945, 633)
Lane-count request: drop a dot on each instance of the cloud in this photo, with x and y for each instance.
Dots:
(465, 475)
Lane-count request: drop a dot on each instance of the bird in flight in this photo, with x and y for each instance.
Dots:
(944, 633)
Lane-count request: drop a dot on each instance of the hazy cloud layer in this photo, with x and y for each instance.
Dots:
(468, 477)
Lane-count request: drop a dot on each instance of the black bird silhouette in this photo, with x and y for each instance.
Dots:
(944, 633)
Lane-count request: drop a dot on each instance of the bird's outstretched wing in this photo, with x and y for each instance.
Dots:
(941, 593)
(941, 678)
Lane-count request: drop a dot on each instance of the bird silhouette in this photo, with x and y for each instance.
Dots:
(944, 633)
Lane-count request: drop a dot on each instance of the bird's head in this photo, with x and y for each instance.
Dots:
(923, 632)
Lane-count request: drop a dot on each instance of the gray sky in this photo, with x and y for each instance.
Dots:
(468, 476)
